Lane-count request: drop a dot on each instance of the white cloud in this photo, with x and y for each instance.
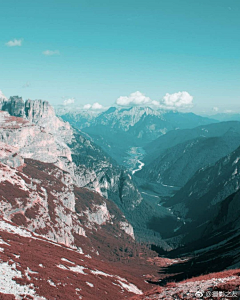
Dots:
(133, 99)
(169, 101)
(94, 106)
(68, 101)
(177, 100)
(155, 103)
(87, 106)
(215, 109)
(50, 52)
(14, 43)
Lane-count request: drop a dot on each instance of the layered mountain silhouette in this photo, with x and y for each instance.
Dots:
(173, 161)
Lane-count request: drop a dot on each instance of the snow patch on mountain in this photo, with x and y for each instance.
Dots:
(9, 286)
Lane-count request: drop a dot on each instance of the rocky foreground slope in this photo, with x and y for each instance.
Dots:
(222, 285)
(58, 239)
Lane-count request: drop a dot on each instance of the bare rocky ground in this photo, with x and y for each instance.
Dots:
(222, 285)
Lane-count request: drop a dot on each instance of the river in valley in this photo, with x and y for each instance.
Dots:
(133, 159)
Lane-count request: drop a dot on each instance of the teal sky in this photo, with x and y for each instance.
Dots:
(107, 49)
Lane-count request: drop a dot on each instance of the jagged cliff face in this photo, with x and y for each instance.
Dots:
(33, 128)
(31, 110)
(110, 180)
(31, 140)
(43, 198)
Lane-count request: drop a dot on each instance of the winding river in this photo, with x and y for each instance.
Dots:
(140, 166)
(133, 159)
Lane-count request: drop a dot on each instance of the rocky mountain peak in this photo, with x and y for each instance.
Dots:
(15, 106)
(33, 110)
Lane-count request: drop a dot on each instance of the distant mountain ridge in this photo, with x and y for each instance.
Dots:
(226, 116)
(116, 130)
(125, 118)
(174, 137)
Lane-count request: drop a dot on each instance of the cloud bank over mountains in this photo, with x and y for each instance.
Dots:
(94, 106)
(68, 101)
(178, 100)
(134, 99)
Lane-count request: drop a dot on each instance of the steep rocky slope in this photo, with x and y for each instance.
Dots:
(35, 268)
(223, 285)
(209, 186)
(43, 190)
(58, 239)
(207, 208)
(207, 228)
(127, 118)
(177, 137)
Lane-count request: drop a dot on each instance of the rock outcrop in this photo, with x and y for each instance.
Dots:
(31, 140)
(31, 110)
(9, 156)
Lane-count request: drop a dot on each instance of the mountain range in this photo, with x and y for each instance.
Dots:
(117, 130)
(126, 199)
(186, 151)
